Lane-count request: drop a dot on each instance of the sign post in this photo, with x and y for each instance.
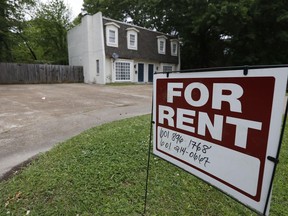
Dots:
(222, 126)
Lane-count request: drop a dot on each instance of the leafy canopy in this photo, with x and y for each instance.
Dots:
(213, 33)
(33, 32)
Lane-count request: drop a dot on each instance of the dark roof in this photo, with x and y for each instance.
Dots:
(147, 44)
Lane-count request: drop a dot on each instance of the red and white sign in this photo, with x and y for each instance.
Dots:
(221, 126)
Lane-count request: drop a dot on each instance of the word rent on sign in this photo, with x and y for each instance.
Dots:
(186, 116)
(221, 126)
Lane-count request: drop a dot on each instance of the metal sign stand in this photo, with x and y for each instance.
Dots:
(276, 160)
(148, 159)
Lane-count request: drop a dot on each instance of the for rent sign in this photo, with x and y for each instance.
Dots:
(221, 126)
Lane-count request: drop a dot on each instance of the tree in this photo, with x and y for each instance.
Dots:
(270, 36)
(201, 25)
(5, 52)
(47, 32)
(212, 29)
(110, 8)
(34, 34)
(213, 33)
(12, 15)
(145, 13)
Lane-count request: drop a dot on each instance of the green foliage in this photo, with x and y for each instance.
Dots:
(5, 53)
(118, 10)
(49, 32)
(12, 14)
(213, 33)
(103, 171)
(271, 38)
(34, 33)
(209, 29)
(147, 13)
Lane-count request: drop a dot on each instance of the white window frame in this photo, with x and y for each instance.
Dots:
(111, 36)
(167, 66)
(161, 40)
(112, 27)
(125, 64)
(174, 43)
(130, 45)
(134, 32)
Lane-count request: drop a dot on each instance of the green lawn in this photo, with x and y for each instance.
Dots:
(102, 172)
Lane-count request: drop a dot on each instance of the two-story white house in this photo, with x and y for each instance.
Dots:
(113, 51)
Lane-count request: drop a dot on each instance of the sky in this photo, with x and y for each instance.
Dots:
(74, 5)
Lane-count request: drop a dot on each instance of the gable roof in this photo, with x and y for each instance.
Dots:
(147, 44)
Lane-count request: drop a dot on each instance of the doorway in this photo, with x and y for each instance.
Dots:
(150, 72)
(140, 72)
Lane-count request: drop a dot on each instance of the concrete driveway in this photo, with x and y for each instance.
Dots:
(33, 118)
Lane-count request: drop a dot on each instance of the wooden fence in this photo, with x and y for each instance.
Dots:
(13, 73)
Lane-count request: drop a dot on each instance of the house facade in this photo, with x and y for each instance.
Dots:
(112, 51)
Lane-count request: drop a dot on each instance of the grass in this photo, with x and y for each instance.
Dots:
(102, 172)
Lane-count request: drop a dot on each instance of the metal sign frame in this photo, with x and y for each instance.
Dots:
(279, 73)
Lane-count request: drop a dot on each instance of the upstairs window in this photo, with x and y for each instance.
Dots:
(162, 47)
(112, 37)
(112, 34)
(132, 38)
(161, 40)
(132, 41)
(174, 47)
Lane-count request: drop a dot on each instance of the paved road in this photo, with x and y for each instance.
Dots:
(33, 118)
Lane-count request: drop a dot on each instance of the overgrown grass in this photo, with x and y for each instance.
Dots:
(102, 172)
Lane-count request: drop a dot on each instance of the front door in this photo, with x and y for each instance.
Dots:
(150, 72)
(140, 72)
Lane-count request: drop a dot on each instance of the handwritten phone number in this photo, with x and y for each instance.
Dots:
(195, 151)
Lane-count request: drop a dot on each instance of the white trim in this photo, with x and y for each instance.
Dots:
(112, 24)
(109, 29)
(132, 29)
(162, 37)
(129, 45)
(161, 40)
(102, 60)
(114, 77)
(172, 43)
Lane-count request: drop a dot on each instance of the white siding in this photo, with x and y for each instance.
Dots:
(86, 45)
(146, 69)
(109, 69)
